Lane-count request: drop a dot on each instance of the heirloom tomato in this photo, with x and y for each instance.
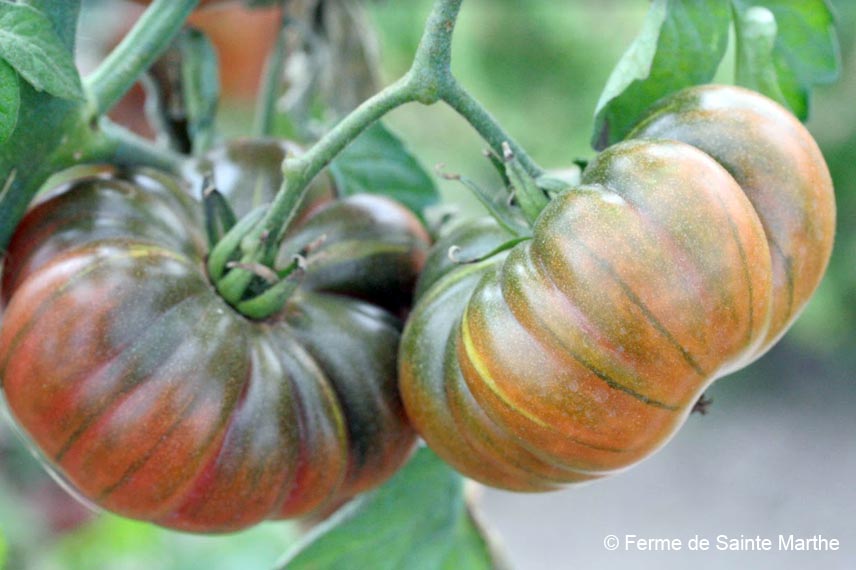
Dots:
(153, 398)
(780, 168)
(684, 253)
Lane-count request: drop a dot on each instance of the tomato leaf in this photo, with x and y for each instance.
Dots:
(377, 162)
(756, 29)
(470, 549)
(784, 48)
(418, 520)
(114, 542)
(681, 43)
(10, 100)
(63, 16)
(29, 43)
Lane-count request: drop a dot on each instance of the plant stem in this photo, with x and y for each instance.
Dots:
(130, 149)
(424, 82)
(150, 36)
(299, 172)
(431, 76)
(483, 122)
(428, 81)
(431, 72)
(269, 91)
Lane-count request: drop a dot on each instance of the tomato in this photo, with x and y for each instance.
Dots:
(780, 168)
(154, 399)
(581, 351)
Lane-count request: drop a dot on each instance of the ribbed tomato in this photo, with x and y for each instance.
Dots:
(780, 168)
(581, 351)
(156, 400)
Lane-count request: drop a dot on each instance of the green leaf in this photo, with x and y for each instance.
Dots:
(418, 521)
(63, 15)
(681, 43)
(470, 549)
(29, 43)
(785, 47)
(756, 32)
(200, 79)
(112, 542)
(10, 100)
(48, 134)
(378, 163)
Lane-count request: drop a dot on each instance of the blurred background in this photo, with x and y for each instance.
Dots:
(776, 454)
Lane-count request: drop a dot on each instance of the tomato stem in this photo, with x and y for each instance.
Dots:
(149, 37)
(530, 197)
(129, 148)
(428, 81)
(486, 125)
(299, 171)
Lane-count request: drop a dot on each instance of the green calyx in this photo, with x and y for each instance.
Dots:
(519, 204)
(529, 196)
(251, 287)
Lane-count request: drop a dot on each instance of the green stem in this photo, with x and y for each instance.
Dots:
(424, 83)
(272, 80)
(130, 149)
(428, 81)
(431, 72)
(150, 36)
(300, 171)
(486, 125)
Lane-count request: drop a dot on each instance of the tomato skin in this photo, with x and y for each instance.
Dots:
(154, 399)
(780, 168)
(582, 351)
(472, 240)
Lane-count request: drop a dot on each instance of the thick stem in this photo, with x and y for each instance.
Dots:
(261, 244)
(432, 80)
(269, 91)
(432, 65)
(150, 36)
